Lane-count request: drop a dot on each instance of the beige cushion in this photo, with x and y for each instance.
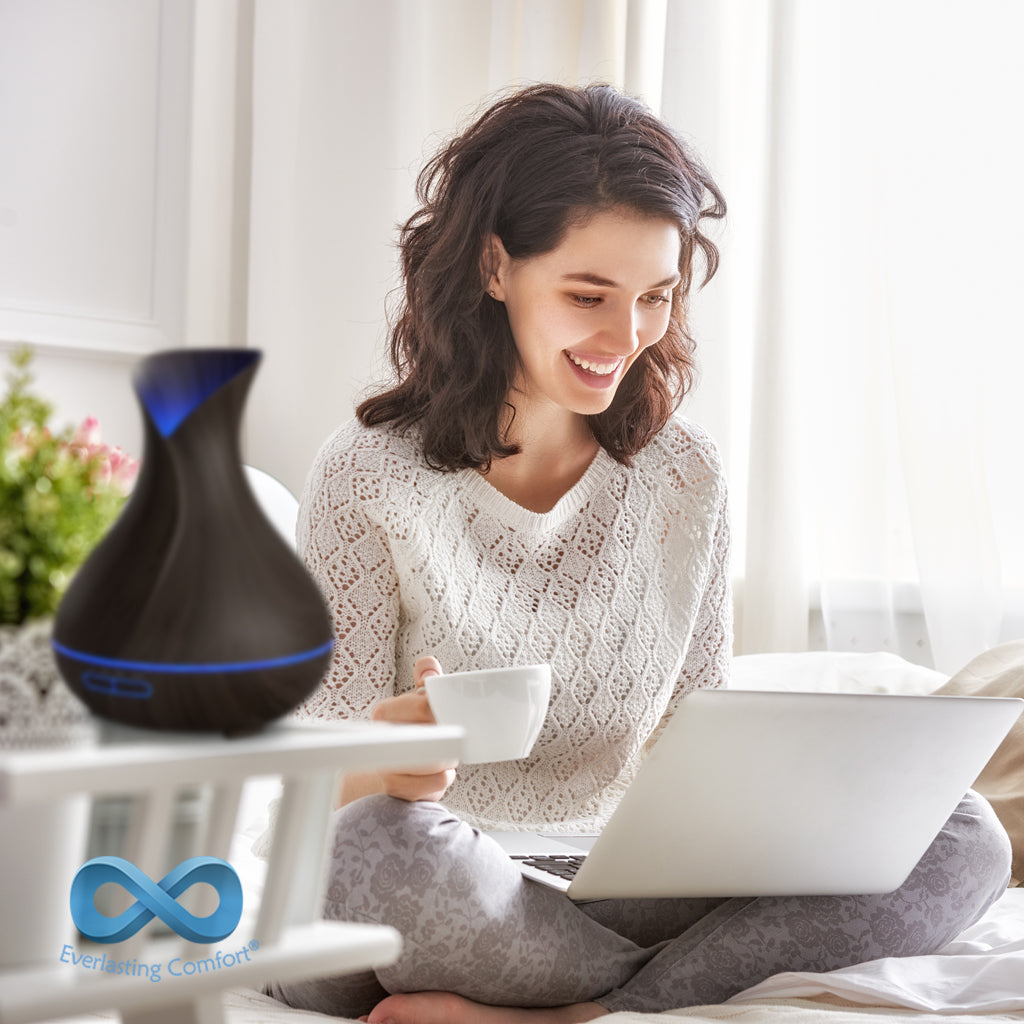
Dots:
(1000, 673)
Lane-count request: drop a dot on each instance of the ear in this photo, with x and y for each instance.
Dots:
(494, 267)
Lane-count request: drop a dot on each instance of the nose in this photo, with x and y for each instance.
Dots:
(622, 332)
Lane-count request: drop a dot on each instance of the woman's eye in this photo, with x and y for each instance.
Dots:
(652, 301)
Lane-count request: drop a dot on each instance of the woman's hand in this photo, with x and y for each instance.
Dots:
(430, 782)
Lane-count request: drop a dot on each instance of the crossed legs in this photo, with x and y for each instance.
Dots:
(473, 927)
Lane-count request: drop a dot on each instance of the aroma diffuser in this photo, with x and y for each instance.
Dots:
(192, 613)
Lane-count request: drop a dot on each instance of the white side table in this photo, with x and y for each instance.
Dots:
(286, 940)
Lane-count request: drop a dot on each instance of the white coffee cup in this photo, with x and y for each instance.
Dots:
(501, 709)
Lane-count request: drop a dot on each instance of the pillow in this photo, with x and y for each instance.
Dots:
(1000, 673)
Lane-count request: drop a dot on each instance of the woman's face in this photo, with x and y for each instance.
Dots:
(582, 313)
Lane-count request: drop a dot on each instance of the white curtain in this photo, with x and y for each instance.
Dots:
(861, 351)
(872, 349)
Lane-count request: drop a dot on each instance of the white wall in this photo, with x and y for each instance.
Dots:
(345, 96)
(94, 101)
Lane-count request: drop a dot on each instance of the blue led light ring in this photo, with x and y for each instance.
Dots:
(156, 899)
(193, 669)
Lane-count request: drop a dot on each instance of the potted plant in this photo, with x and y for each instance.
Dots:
(59, 492)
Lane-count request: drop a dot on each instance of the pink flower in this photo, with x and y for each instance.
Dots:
(113, 465)
(88, 433)
(123, 469)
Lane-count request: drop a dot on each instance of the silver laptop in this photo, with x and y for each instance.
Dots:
(770, 793)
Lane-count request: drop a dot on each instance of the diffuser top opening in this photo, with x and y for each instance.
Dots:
(171, 385)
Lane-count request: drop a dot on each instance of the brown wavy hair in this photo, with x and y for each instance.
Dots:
(533, 164)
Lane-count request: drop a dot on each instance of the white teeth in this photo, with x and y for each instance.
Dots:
(602, 369)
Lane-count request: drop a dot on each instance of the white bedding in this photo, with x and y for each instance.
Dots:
(981, 973)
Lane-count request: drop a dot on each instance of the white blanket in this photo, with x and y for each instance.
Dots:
(982, 971)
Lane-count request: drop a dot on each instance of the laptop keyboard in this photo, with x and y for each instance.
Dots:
(563, 865)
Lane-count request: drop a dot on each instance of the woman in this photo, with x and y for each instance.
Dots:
(524, 493)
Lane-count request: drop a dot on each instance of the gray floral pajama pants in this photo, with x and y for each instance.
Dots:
(472, 925)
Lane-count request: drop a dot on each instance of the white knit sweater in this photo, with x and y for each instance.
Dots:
(622, 587)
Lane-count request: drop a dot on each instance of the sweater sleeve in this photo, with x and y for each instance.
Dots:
(708, 660)
(709, 655)
(348, 555)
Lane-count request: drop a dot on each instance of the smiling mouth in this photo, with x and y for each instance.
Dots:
(596, 367)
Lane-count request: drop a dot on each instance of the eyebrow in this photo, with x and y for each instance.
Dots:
(604, 282)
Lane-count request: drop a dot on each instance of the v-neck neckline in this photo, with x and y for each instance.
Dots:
(480, 489)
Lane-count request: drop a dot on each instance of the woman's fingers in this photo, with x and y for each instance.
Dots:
(408, 707)
(424, 667)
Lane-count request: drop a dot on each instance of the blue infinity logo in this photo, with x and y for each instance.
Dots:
(156, 899)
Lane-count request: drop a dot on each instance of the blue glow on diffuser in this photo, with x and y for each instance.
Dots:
(172, 389)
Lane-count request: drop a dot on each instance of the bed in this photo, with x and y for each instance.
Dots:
(978, 977)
